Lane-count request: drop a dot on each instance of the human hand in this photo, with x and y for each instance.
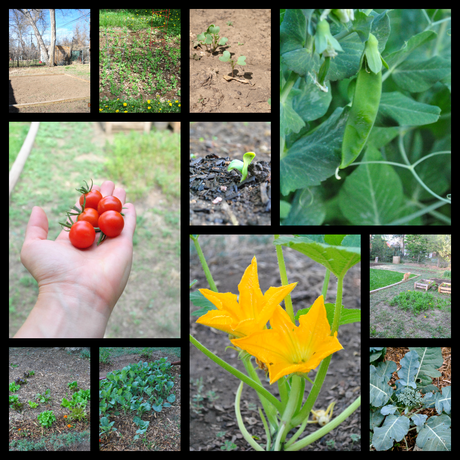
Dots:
(77, 288)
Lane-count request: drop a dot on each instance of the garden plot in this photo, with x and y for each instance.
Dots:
(43, 88)
(138, 65)
(145, 413)
(387, 320)
(45, 376)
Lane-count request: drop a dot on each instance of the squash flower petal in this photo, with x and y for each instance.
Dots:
(287, 348)
(253, 310)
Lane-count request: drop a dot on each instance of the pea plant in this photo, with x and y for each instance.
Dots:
(365, 117)
(140, 388)
(395, 409)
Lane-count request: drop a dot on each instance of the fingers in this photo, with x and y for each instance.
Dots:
(37, 227)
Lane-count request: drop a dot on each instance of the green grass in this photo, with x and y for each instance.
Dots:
(381, 278)
(133, 77)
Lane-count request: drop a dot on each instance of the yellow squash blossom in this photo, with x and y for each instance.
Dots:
(287, 348)
(251, 312)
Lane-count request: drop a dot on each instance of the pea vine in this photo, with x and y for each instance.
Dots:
(361, 95)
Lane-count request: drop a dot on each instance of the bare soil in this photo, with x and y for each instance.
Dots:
(54, 369)
(26, 87)
(212, 390)
(163, 432)
(249, 34)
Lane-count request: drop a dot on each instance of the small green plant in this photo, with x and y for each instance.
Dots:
(227, 58)
(46, 418)
(104, 356)
(242, 166)
(211, 38)
(228, 445)
(147, 354)
(73, 385)
(45, 397)
(32, 404)
(106, 426)
(78, 413)
(14, 387)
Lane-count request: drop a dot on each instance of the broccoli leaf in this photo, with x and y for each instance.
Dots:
(435, 435)
(394, 429)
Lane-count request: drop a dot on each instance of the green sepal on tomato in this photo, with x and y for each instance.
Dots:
(92, 196)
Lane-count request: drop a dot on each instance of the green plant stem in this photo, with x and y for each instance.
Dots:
(325, 284)
(289, 411)
(204, 264)
(248, 381)
(284, 280)
(239, 419)
(338, 306)
(326, 428)
(269, 409)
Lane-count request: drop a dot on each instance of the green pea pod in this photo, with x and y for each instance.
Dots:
(362, 115)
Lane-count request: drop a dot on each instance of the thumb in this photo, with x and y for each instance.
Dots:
(37, 228)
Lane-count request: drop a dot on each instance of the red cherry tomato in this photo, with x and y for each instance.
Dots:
(82, 234)
(89, 215)
(111, 223)
(109, 203)
(92, 199)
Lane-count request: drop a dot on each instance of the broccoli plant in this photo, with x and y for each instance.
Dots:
(395, 412)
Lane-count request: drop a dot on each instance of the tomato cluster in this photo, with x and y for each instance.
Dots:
(97, 214)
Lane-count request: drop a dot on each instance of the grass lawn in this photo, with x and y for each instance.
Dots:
(381, 278)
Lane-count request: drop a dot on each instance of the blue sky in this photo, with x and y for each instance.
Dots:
(66, 21)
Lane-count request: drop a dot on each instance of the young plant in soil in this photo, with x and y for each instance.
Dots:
(233, 62)
(211, 38)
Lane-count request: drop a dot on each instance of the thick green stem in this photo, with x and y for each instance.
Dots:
(248, 381)
(284, 280)
(204, 264)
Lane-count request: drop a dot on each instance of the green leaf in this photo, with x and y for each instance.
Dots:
(372, 194)
(347, 316)
(222, 41)
(312, 158)
(199, 300)
(393, 429)
(241, 60)
(338, 259)
(225, 57)
(436, 434)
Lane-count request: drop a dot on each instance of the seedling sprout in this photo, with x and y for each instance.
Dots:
(242, 166)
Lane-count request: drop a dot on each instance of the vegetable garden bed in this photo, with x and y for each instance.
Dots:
(146, 414)
(393, 321)
(410, 399)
